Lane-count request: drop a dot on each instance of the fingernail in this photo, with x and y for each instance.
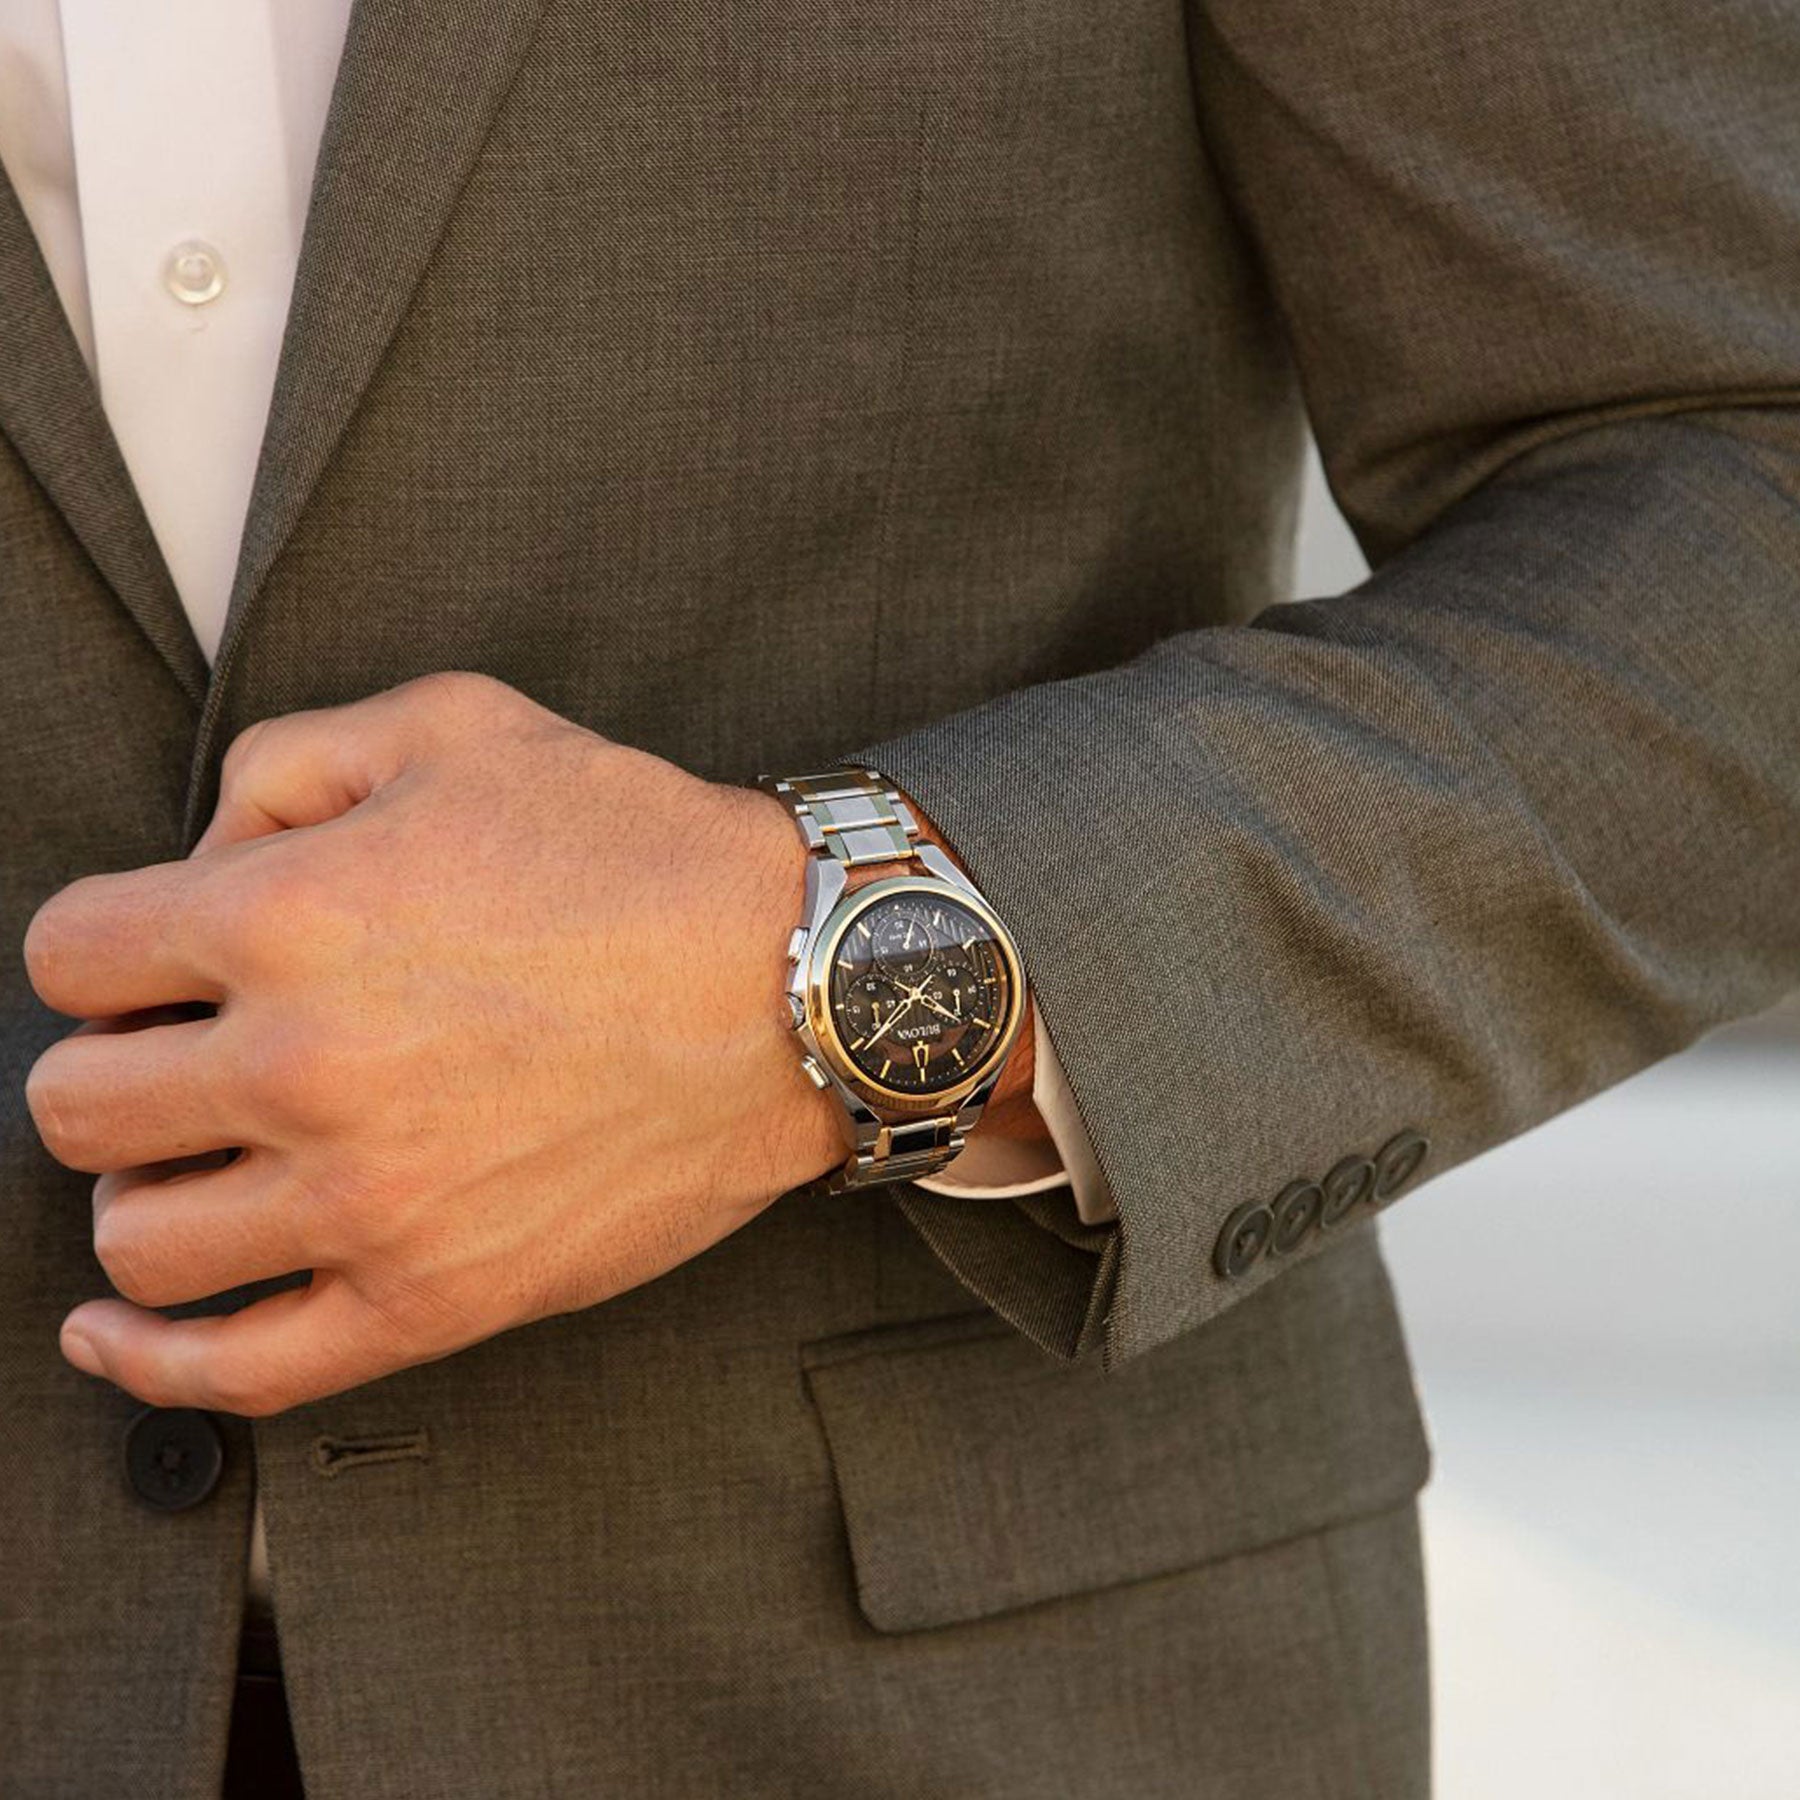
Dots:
(81, 1352)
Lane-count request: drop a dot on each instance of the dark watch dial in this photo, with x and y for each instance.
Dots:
(920, 992)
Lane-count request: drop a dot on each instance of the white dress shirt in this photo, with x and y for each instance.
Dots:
(164, 156)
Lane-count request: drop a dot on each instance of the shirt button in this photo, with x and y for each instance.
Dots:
(173, 1456)
(194, 273)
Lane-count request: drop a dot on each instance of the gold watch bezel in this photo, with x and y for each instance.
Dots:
(824, 1026)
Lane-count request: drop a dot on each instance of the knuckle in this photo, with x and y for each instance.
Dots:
(292, 1078)
(243, 751)
(54, 1108)
(46, 947)
(254, 919)
(462, 692)
(40, 947)
(272, 896)
(420, 1314)
(131, 1264)
(461, 684)
(245, 1387)
(352, 1216)
(154, 1388)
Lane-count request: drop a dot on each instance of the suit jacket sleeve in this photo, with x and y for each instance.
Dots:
(1520, 813)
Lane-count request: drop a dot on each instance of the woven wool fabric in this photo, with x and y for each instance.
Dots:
(764, 381)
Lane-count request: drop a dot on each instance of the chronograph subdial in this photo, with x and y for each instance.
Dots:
(869, 1007)
(971, 995)
(902, 942)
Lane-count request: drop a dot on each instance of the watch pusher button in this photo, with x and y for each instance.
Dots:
(796, 1012)
(796, 942)
(814, 1073)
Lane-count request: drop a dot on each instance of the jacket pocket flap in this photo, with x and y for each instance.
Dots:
(977, 1475)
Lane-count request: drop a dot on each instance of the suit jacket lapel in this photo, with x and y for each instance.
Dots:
(417, 91)
(50, 410)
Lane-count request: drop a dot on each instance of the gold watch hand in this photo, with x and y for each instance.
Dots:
(896, 1013)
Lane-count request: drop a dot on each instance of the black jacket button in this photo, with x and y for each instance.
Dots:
(1397, 1161)
(1296, 1213)
(1346, 1187)
(1244, 1238)
(173, 1455)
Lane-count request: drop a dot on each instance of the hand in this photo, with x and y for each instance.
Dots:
(896, 1013)
(914, 997)
(499, 1034)
(943, 1012)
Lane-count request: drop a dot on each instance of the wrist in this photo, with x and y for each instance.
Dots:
(809, 1135)
(905, 989)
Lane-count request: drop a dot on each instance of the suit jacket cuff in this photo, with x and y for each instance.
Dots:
(1004, 1168)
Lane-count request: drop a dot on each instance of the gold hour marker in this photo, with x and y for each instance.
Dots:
(862, 928)
(884, 1069)
(985, 1024)
(968, 943)
(957, 1054)
(921, 1055)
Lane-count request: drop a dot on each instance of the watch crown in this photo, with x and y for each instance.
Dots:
(796, 1011)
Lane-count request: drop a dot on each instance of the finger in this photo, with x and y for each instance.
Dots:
(298, 1345)
(110, 1098)
(303, 768)
(120, 943)
(167, 1238)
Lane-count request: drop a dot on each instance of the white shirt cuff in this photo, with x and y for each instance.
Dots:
(1001, 1168)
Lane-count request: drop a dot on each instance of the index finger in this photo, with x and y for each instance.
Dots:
(116, 943)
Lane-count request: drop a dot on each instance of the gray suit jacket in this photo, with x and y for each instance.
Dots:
(766, 381)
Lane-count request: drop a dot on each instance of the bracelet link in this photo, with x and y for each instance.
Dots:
(852, 815)
(898, 1153)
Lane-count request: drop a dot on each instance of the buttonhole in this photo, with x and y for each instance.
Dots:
(333, 1455)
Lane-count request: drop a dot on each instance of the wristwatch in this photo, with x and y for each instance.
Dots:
(904, 987)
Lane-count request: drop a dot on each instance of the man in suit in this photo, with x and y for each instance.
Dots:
(907, 405)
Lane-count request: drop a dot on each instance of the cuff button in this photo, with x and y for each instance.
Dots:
(1397, 1161)
(1297, 1211)
(1350, 1183)
(1244, 1238)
